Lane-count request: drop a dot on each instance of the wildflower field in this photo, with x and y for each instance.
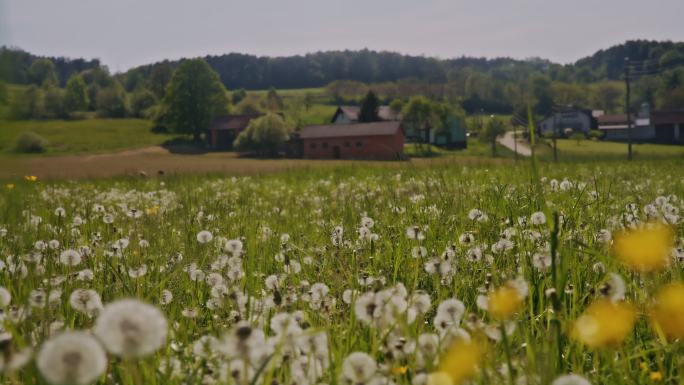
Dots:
(570, 274)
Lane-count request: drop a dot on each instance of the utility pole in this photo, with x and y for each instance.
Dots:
(627, 110)
(555, 135)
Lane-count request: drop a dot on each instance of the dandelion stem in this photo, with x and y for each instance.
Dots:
(507, 352)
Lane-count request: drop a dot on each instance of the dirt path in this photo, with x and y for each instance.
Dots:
(508, 140)
(157, 160)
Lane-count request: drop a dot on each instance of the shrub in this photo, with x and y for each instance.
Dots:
(30, 142)
(596, 134)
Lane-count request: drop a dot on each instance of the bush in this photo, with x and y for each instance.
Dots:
(30, 142)
(596, 134)
(263, 136)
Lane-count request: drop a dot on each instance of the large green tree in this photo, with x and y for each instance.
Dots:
(76, 97)
(264, 135)
(194, 96)
(160, 78)
(369, 108)
(418, 113)
(491, 132)
(43, 72)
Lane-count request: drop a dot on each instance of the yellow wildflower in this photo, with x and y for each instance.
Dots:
(31, 178)
(459, 364)
(9, 186)
(604, 323)
(668, 310)
(152, 210)
(645, 249)
(399, 370)
(656, 376)
(504, 302)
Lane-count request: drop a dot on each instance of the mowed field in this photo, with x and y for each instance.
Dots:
(358, 274)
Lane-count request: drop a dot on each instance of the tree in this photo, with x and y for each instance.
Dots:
(541, 89)
(194, 96)
(54, 103)
(112, 102)
(396, 106)
(369, 108)
(308, 100)
(141, 100)
(418, 114)
(273, 101)
(251, 105)
(4, 95)
(238, 95)
(76, 97)
(43, 72)
(28, 104)
(491, 131)
(264, 135)
(159, 79)
(607, 96)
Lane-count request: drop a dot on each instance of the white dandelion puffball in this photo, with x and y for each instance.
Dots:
(359, 368)
(571, 379)
(131, 328)
(5, 297)
(70, 257)
(71, 358)
(204, 237)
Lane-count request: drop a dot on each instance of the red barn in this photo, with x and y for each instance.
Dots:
(379, 140)
(224, 129)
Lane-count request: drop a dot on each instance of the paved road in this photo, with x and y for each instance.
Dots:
(508, 140)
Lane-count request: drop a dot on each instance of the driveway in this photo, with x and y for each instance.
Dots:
(508, 141)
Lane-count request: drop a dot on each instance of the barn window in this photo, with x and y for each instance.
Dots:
(359, 144)
(312, 145)
(324, 145)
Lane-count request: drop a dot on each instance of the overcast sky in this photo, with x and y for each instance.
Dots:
(126, 33)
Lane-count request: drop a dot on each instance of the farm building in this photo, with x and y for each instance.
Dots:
(614, 127)
(224, 129)
(453, 135)
(378, 140)
(578, 119)
(668, 125)
(350, 114)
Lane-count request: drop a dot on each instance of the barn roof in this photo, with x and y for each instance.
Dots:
(667, 116)
(384, 113)
(350, 130)
(232, 122)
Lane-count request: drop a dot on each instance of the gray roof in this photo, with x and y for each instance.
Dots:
(384, 113)
(350, 130)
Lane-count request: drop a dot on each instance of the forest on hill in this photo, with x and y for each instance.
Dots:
(498, 85)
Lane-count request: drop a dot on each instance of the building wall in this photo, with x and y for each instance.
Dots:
(644, 134)
(578, 121)
(360, 147)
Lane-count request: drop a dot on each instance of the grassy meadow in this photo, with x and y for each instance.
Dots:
(352, 275)
(82, 136)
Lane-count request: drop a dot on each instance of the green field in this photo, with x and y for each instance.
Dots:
(83, 136)
(590, 150)
(351, 275)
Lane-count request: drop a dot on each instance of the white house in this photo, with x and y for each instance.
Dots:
(579, 120)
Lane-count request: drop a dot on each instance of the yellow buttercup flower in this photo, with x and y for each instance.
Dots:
(604, 323)
(459, 364)
(152, 210)
(399, 370)
(656, 376)
(504, 302)
(31, 178)
(645, 249)
(668, 310)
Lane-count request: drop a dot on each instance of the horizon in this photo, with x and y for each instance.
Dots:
(306, 27)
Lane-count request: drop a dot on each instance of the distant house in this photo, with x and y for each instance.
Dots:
(454, 135)
(224, 129)
(668, 126)
(378, 140)
(350, 114)
(578, 119)
(614, 127)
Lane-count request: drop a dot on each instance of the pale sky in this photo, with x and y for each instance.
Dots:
(126, 33)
